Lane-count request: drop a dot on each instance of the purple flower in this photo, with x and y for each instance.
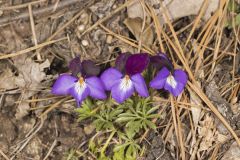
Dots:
(126, 77)
(82, 83)
(171, 80)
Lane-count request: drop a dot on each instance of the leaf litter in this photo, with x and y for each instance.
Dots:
(25, 83)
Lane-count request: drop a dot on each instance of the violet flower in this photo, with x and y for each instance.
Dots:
(126, 77)
(82, 83)
(171, 80)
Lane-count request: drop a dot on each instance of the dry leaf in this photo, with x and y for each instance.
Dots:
(183, 8)
(7, 80)
(233, 153)
(135, 26)
(196, 110)
(176, 8)
(206, 132)
(135, 10)
(22, 110)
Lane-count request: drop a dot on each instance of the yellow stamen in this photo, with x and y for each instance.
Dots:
(81, 80)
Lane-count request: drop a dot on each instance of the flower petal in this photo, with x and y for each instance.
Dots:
(174, 91)
(89, 68)
(180, 76)
(96, 88)
(79, 92)
(109, 77)
(140, 85)
(161, 60)
(120, 91)
(63, 84)
(75, 66)
(137, 63)
(180, 80)
(121, 62)
(159, 81)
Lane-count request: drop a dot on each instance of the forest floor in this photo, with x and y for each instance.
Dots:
(38, 39)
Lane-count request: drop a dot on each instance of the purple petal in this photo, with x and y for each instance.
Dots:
(161, 60)
(63, 84)
(96, 88)
(121, 61)
(180, 76)
(160, 54)
(75, 66)
(120, 92)
(174, 90)
(140, 85)
(89, 68)
(109, 77)
(79, 93)
(159, 81)
(137, 63)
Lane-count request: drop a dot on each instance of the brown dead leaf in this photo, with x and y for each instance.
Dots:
(7, 80)
(233, 153)
(135, 10)
(176, 8)
(196, 110)
(207, 133)
(22, 110)
(135, 26)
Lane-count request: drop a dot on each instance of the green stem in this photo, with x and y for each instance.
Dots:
(107, 143)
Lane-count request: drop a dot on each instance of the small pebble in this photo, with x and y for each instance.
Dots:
(85, 43)
(114, 6)
(109, 39)
(84, 15)
(81, 27)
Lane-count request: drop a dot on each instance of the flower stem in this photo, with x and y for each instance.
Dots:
(107, 143)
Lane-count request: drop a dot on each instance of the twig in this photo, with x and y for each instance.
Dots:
(30, 49)
(33, 31)
(107, 17)
(29, 138)
(21, 5)
(40, 11)
(4, 155)
(50, 149)
(69, 22)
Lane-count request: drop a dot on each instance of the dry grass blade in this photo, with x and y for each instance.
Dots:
(180, 54)
(4, 56)
(4, 155)
(55, 105)
(21, 5)
(125, 39)
(33, 30)
(197, 20)
(107, 17)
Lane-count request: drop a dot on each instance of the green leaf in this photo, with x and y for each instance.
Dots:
(131, 153)
(126, 115)
(119, 154)
(125, 119)
(152, 110)
(237, 20)
(116, 112)
(151, 124)
(233, 6)
(153, 116)
(120, 147)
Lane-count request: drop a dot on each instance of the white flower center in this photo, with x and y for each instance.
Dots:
(80, 86)
(126, 83)
(171, 81)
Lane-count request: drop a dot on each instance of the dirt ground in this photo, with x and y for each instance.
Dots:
(38, 38)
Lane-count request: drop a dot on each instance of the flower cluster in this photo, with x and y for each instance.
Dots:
(122, 80)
